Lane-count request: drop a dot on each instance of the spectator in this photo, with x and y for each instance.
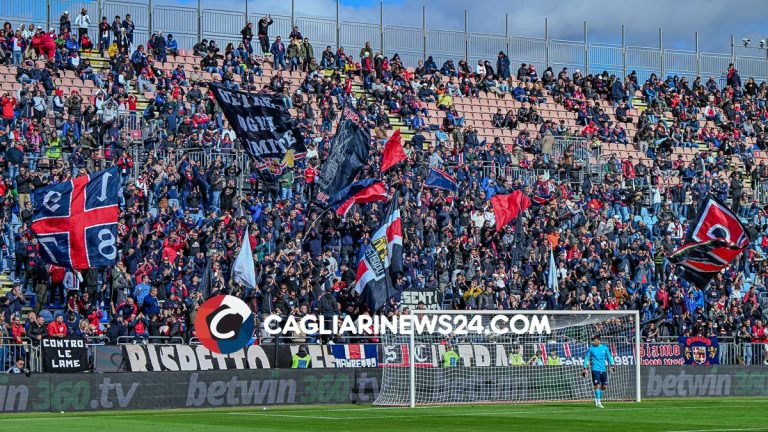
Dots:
(65, 24)
(57, 328)
(263, 34)
(83, 21)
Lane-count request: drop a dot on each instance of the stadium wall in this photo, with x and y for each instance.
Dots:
(265, 387)
(167, 390)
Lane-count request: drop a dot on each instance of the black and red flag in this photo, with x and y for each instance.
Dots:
(716, 238)
(361, 192)
(382, 260)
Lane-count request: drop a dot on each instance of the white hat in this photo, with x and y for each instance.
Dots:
(66, 12)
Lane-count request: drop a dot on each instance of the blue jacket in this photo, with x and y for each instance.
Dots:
(72, 45)
(617, 91)
(141, 292)
(151, 306)
(278, 49)
(138, 58)
(502, 67)
(73, 126)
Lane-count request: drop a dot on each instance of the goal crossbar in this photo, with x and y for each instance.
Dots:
(573, 328)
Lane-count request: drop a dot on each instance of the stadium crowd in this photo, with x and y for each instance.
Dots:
(182, 220)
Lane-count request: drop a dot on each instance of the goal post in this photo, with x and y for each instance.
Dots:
(507, 357)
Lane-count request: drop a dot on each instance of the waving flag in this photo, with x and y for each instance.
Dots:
(507, 207)
(349, 154)
(716, 238)
(244, 271)
(552, 276)
(76, 221)
(441, 180)
(364, 191)
(542, 199)
(393, 151)
(383, 257)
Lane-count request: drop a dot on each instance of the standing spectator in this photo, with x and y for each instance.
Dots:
(278, 53)
(309, 54)
(263, 33)
(83, 21)
(129, 27)
(502, 66)
(105, 30)
(65, 24)
(17, 47)
(247, 33)
(160, 47)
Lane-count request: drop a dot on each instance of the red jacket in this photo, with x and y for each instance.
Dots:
(18, 332)
(8, 104)
(55, 329)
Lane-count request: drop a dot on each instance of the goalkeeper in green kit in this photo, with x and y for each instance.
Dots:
(597, 357)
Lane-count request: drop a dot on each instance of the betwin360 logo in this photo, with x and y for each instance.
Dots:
(224, 324)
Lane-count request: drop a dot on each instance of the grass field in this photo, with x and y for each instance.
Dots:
(669, 415)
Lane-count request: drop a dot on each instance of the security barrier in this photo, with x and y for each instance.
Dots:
(189, 25)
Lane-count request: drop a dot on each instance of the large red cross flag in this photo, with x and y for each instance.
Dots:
(76, 221)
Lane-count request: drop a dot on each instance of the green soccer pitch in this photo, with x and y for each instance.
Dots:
(669, 415)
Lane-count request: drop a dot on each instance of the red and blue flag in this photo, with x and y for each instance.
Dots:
(361, 192)
(76, 221)
(439, 179)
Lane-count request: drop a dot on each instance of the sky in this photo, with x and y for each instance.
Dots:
(715, 20)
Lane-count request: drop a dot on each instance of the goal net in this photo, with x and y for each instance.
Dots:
(507, 357)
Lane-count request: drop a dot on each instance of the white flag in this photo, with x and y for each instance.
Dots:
(243, 272)
(552, 279)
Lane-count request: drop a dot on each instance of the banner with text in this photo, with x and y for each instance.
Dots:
(699, 350)
(64, 355)
(171, 390)
(412, 298)
(154, 357)
(264, 127)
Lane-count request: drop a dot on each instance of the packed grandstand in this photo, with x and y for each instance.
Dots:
(617, 168)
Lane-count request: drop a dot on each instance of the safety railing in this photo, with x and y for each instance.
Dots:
(760, 190)
(165, 340)
(10, 351)
(189, 25)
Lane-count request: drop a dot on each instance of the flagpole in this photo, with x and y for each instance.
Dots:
(312, 225)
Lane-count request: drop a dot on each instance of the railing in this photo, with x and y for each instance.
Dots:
(760, 190)
(729, 352)
(190, 25)
(204, 157)
(577, 146)
(10, 350)
(165, 340)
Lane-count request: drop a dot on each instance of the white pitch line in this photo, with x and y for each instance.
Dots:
(721, 430)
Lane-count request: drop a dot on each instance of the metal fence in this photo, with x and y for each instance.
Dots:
(204, 157)
(189, 25)
(165, 340)
(10, 351)
(760, 190)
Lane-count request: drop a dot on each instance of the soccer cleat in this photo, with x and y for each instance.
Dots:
(599, 405)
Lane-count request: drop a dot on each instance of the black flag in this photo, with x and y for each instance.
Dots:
(348, 155)
(264, 127)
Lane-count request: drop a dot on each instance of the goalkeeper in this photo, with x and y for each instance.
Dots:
(597, 357)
